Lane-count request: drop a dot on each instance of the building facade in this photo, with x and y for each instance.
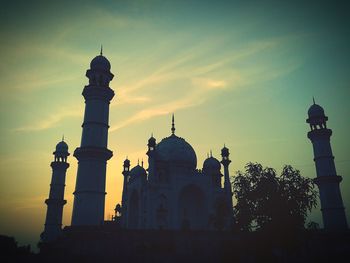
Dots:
(172, 193)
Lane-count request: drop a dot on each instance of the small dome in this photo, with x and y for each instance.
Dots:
(152, 139)
(138, 171)
(127, 162)
(315, 111)
(62, 147)
(100, 63)
(211, 163)
(225, 151)
(177, 150)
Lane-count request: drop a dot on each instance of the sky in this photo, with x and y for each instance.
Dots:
(241, 73)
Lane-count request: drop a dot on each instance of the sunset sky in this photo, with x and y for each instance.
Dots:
(241, 73)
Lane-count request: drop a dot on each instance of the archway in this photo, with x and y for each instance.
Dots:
(192, 208)
(133, 218)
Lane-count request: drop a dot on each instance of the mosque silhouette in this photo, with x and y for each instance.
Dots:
(169, 211)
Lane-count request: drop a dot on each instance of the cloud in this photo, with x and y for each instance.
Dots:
(197, 84)
(192, 99)
(51, 121)
(185, 79)
(209, 83)
(18, 204)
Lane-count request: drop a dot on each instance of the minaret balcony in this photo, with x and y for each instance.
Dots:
(59, 165)
(52, 201)
(99, 93)
(319, 133)
(327, 179)
(92, 152)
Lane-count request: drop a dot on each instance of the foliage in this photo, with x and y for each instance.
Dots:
(268, 202)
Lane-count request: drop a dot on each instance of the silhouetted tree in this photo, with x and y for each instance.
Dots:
(268, 202)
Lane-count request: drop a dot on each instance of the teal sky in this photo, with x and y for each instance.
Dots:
(237, 72)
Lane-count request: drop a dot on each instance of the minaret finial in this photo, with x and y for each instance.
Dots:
(142, 162)
(313, 99)
(101, 50)
(211, 153)
(138, 161)
(173, 125)
(62, 137)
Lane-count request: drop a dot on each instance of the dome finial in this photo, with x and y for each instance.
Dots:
(173, 125)
(313, 99)
(138, 161)
(62, 137)
(211, 153)
(142, 162)
(101, 53)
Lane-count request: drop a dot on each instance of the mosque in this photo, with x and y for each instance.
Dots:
(172, 193)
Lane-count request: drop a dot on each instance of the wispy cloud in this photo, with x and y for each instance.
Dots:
(193, 82)
(197, 83)
(50, 121)
(207, 83)
(191, 100)
(17, 204)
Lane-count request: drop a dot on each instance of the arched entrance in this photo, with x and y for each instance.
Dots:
(133, 217)
(192, 208)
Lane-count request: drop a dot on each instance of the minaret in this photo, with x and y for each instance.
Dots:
(151, 158)
(126, 171)
(327, 179)
(92, 155)
(55, 202)
(227, 184)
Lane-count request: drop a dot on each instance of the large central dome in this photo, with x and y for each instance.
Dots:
(176, 150)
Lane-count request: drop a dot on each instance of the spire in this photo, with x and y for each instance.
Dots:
(101, 50)
(173, 125)
(313, 99)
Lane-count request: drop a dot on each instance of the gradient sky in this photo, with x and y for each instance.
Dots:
(237, 72)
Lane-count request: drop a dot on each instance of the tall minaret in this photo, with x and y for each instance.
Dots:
(327, 179)
(55, 202)
(89, 195)
(151, 158)
(126, 172)
(227, 184)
